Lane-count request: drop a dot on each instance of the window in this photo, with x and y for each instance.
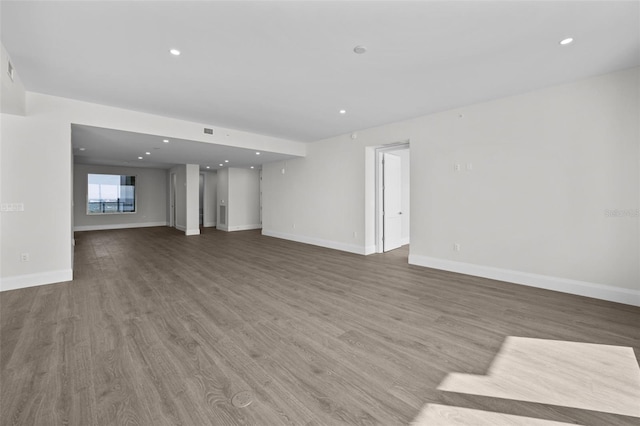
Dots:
(107, 194)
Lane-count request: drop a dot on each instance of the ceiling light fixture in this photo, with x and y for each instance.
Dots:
(165, 140)
(148, 153)
(360, 50)
(82, 149)
(566, 41)
(252, 167)
(208, 167)
(226, 161)
(174, 52)
(257, 153)
(221, 165)
(343, 111)
(139, 158)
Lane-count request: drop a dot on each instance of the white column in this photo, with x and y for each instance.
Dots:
(193, 199)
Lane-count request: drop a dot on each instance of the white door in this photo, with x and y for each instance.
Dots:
(392, 201)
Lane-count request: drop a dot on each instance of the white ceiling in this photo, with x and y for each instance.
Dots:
(109, 147)
(285, 68)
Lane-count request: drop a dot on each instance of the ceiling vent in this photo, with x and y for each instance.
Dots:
(208, 131)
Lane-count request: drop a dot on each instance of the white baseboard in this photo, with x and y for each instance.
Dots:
(222, 227)
(118, 226)
(181, 228)
(192, 232)
(351, 248)
(370, 249)
(32, 280)
(209, 225)
(564, 285)
(244, 227)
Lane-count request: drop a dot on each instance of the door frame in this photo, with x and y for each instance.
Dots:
(379, 204)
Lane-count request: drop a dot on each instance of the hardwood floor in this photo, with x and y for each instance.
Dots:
(162, 329)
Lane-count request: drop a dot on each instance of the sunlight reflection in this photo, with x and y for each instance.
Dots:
(440, 415)
(571, 374)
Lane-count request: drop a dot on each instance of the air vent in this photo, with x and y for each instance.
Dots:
(208, 131)
(10, 70)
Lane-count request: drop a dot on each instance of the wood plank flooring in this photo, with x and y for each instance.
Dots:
(162, 329)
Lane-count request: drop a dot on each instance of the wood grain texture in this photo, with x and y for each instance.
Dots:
(162, 329)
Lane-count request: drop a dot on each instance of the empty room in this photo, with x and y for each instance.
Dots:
(320, 213)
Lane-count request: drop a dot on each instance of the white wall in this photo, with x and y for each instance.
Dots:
(320, 198)
(244, 199)
(12, 93)
(545, 167)
(35, 171)
(239, 191)
(151, 199)
(210, 198)
(223, 199)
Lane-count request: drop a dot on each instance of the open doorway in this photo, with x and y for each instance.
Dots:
(201, 201)
(172, 200)
(392, 197)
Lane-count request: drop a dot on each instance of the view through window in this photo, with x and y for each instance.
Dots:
(111, 194)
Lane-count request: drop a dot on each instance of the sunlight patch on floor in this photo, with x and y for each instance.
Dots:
(440, 415)
(570, 374)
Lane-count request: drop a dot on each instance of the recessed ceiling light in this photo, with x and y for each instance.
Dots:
(566, 41)
(252, 167)
(139, 158)
(175, 52)
(226, 161)
(360, 50)
(148, 153)
(208, 167)
(343, 111)
(257, 153)
(82, 149)
(221, 165)
(165, 140)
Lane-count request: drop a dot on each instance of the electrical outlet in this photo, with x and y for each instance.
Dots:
(456, 247)
(456, 167)
(24, 257)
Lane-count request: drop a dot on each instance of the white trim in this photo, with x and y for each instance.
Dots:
(222, 228)
(181, 228)
(351, 248)
(192, 232)
(564, 285)
(118, 226)
(378, 188)
(244, 227)
(369, 249)
(32, 280)
(405, 241)
(209, 224)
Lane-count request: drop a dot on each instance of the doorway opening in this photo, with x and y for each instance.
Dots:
(392, 197)
(172, 200)
(201, 201)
